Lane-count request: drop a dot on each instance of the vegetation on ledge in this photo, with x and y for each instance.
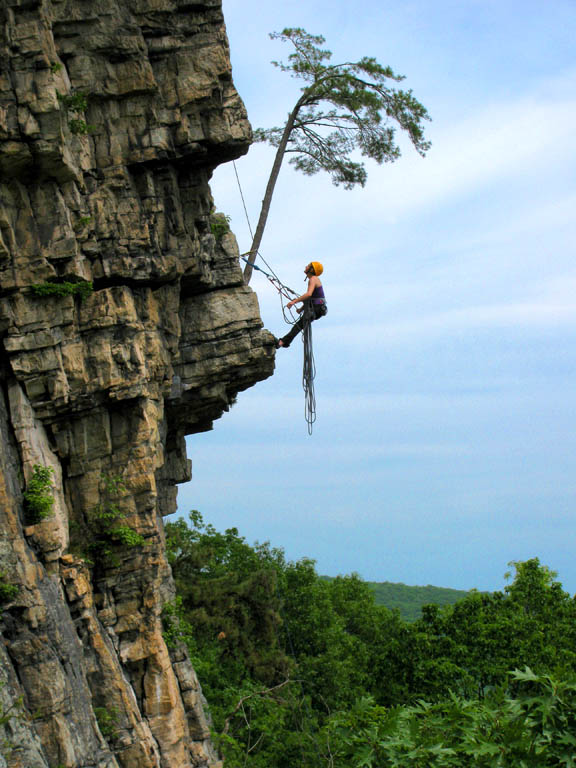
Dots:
(81, 288)
(219, 225)
(8, 591)
(39, 496)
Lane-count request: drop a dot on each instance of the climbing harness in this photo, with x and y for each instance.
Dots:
(309, 367)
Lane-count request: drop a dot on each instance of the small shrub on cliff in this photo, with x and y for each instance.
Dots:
(109, 533)
(219, 225)
(79, 127)
(126, 536)
(107, 719)
(82, 222)
(77, 103)
(73, 102)
(7, 591)
(13, 712)
(38, 498)
(80, 288)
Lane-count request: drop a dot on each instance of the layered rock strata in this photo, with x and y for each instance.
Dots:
(113, 115)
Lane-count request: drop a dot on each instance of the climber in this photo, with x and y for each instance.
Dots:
(314, 303)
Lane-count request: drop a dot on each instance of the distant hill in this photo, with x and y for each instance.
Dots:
(409, 600)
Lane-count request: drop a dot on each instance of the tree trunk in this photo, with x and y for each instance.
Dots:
(270, 188)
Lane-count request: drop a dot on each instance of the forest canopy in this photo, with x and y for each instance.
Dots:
(303, 671)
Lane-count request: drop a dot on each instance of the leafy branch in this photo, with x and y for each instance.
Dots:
(244, 699)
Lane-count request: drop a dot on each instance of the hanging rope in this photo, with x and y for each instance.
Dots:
(243, 201)
(282, 289)
(309, 367)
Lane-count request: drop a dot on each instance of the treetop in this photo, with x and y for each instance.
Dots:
(343, 107)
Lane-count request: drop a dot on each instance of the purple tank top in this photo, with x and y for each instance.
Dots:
(318, 295)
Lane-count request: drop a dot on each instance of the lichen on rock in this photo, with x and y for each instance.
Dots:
(113, 115)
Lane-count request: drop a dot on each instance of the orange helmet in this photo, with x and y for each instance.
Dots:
(318, 268)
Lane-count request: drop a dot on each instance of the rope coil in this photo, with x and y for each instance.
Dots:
(309, 369)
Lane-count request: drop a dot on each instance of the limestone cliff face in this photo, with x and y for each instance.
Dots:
(113, 114)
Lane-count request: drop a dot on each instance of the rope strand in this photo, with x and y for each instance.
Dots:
(243, 201)
(309, 371)
(309, 367)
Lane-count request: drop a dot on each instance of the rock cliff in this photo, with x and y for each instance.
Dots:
(124, 326)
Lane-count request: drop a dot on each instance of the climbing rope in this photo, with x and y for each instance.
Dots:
(309, 367)
(243, 201)
(282, 289)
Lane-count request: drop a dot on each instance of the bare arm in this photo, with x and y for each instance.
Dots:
(313, 281)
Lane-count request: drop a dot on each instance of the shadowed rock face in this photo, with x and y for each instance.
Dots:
(113, 114)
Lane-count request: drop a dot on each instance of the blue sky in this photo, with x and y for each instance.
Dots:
(445, 444)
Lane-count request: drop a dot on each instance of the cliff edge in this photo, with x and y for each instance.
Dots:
(124, 326)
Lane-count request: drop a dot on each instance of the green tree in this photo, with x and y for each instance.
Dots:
(228, 594)
(344, 108)
(470, 646)
(228, 611)
(300, 670)
(533, 729)
(343, 643)
(276, 647)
